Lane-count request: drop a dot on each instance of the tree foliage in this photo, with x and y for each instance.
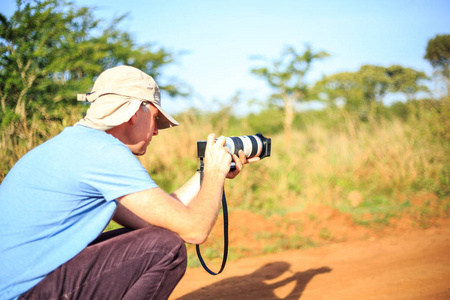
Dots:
(50, 50)
(406, 81)
(438, 54)
(364, 90)
(340, 88)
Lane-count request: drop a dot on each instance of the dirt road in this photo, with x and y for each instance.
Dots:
(412, 265)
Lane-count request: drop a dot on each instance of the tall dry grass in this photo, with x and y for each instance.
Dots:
(385, 161)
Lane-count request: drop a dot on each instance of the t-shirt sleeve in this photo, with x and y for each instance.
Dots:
(117, 172)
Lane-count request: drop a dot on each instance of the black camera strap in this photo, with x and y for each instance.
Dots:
(225, 231)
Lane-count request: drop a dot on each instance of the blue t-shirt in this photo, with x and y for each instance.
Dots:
(57, 199)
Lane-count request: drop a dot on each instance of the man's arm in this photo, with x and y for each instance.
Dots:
(185, 194)
(190, 189)
(127, 218)
(194, 221)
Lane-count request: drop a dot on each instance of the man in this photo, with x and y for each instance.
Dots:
(56, 201)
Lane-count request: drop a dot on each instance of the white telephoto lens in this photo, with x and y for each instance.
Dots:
(230, 145)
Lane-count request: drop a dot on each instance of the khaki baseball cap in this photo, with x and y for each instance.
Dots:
(117, 95)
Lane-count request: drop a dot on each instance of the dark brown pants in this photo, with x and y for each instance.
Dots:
(121, 264)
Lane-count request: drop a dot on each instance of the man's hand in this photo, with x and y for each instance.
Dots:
(240, 162)
(217, 157)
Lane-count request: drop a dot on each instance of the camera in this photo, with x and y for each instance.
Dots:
(253, 146)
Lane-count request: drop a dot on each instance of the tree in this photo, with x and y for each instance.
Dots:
(286, 76)
(339, 88)
(374, 82)
(438, 54)
(49, 52)
(407, 81)
(364, 90)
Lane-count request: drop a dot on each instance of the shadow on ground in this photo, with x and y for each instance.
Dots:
(260, 284)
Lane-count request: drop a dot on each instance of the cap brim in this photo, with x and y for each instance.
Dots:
(164, 119)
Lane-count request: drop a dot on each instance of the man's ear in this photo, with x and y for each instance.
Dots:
(133, 119)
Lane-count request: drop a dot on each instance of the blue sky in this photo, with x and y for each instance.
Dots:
(219, 37)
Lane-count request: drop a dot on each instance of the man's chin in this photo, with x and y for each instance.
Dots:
(141, 152)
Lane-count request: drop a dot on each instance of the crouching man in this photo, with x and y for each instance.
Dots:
(57, 200)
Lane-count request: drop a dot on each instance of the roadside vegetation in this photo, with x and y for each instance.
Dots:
(375, 173)
(355, 159)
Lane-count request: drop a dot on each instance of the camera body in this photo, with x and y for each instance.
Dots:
(252, 145)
